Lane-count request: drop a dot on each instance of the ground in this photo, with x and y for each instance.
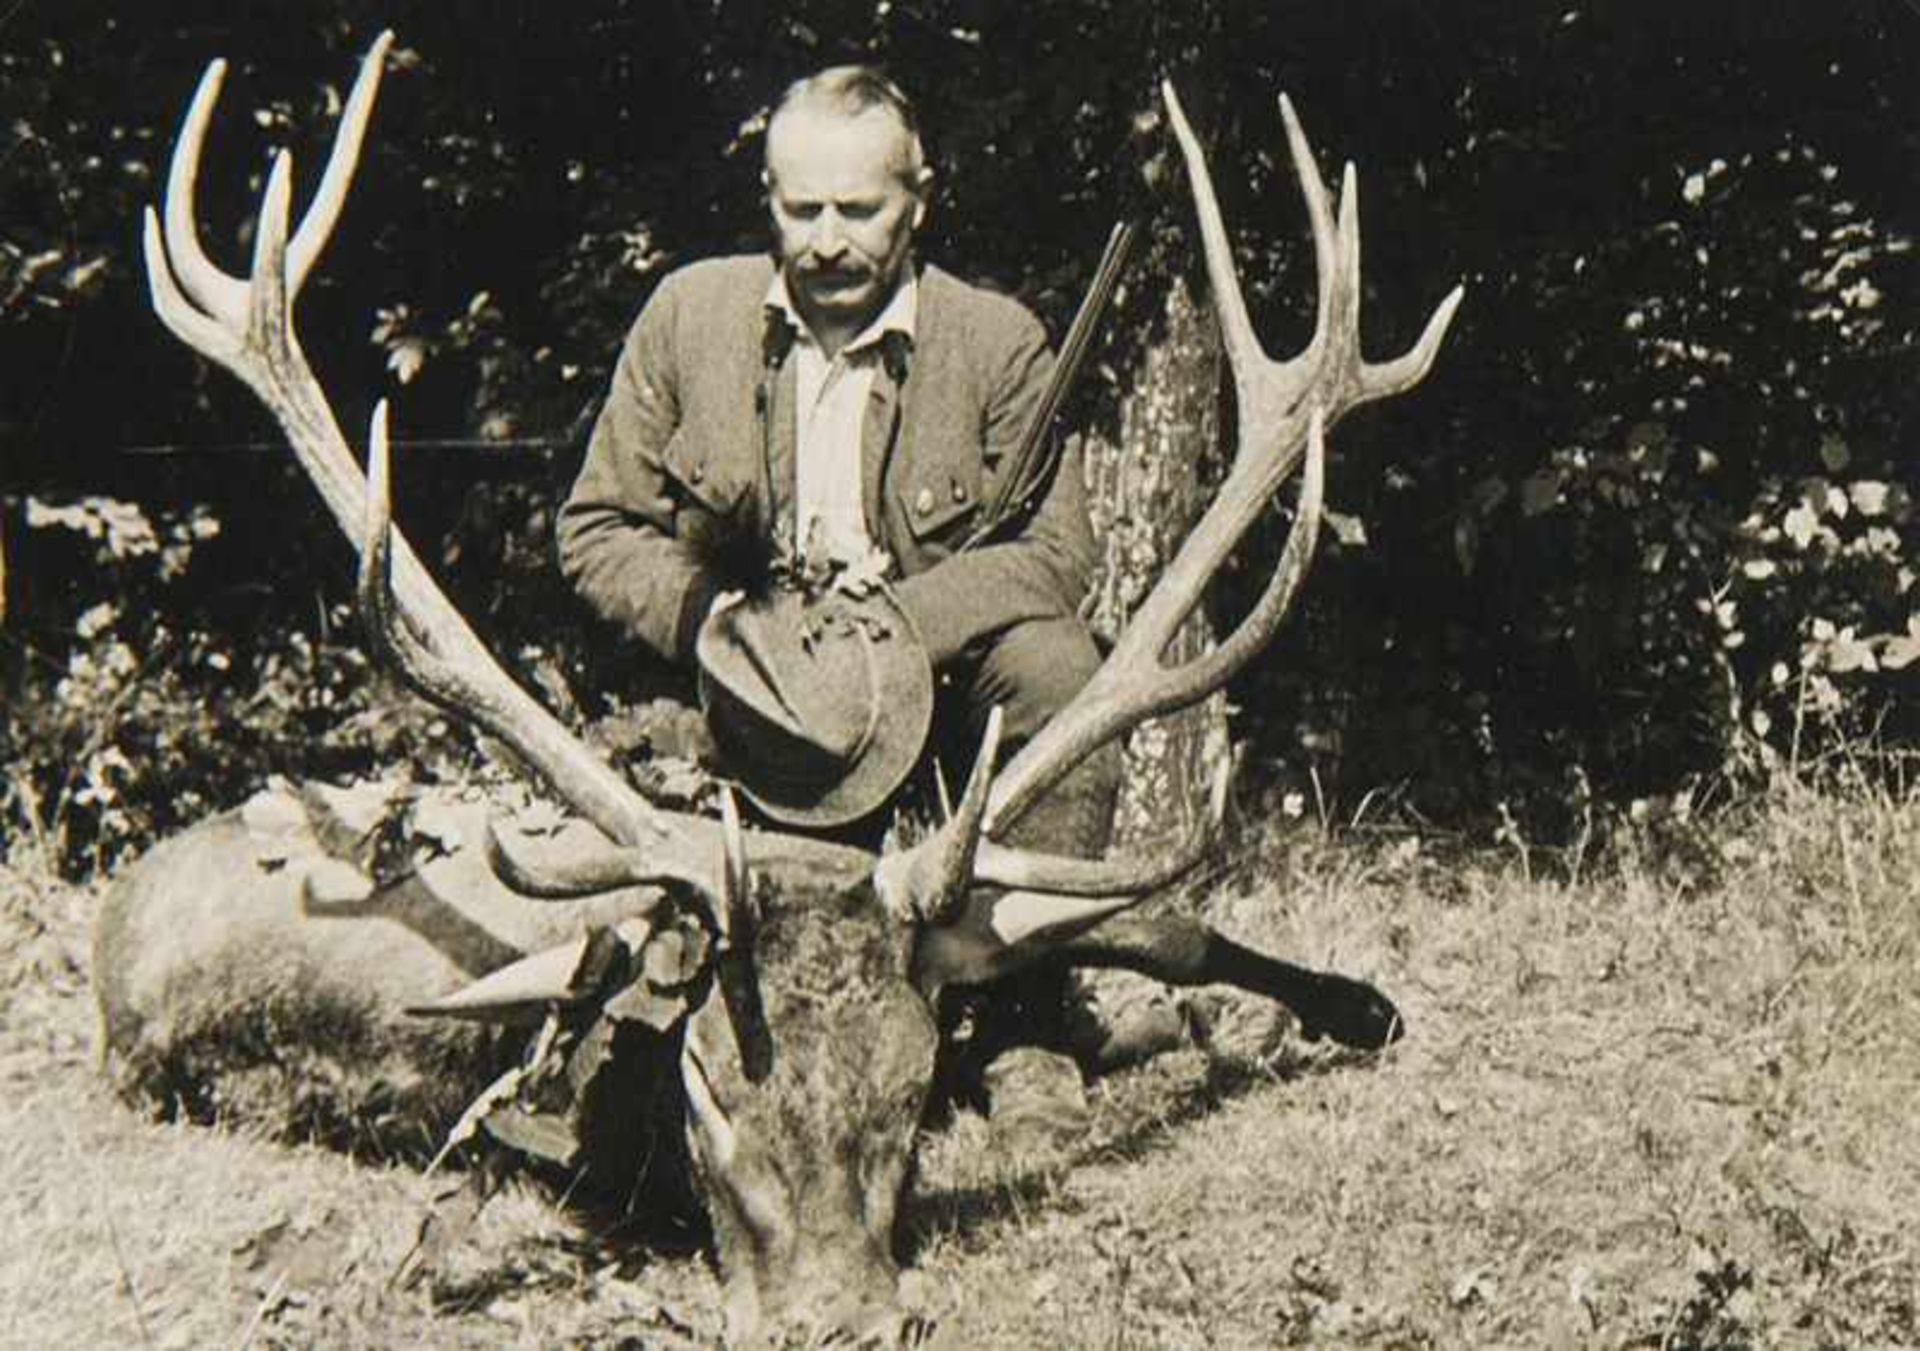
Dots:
(1660, 1100)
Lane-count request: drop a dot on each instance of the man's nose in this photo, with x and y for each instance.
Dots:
(829, 237)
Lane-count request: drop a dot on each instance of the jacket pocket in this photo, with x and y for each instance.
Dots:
(939, 503)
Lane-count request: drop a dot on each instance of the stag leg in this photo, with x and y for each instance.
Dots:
(1180, 949)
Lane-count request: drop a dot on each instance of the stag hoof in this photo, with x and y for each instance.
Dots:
(1352, 1013)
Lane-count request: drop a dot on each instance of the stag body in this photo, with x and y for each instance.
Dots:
(806, 1067)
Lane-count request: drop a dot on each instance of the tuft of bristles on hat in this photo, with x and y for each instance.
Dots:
(740, 555)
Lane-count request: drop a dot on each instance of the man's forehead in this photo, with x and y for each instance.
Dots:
(832, 149)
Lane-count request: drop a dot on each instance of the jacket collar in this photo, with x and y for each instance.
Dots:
(892, 329)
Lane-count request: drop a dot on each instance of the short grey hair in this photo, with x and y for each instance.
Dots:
(851, 91)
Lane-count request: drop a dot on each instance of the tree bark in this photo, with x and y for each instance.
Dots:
(1146, 487)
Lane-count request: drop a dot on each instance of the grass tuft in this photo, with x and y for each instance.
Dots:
(1660, 1099)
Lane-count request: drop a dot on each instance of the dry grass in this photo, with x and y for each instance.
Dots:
(1633, 1111)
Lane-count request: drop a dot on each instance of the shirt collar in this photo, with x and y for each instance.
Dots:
(899, 315)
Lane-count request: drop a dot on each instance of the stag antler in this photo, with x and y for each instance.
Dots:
(1283, 409)
(246, 325)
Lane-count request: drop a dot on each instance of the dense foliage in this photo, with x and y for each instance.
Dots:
(1650, 519)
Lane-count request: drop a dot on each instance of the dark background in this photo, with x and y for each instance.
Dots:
(1647, 527)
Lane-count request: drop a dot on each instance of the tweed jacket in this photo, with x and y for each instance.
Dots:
(680, 449)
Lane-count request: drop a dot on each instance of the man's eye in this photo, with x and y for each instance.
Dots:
(803, 210)
(860, 210)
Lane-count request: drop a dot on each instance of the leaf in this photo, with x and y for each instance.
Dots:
(1834, 453)
(1466, 543)
(499, 1095)
(1902, 649)
(670, 959)
(641, 1003)
(1849, 653)
(552, 1136)
(1540, 491)
(1349, 531)
(1800, 524)
(593, 1054)
(1869, 496)
(405, 359)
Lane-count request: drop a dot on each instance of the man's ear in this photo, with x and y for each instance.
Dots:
(923, 195)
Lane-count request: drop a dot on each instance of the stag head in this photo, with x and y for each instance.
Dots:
(807, 1066)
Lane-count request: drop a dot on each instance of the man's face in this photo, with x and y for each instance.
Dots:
(844, 212)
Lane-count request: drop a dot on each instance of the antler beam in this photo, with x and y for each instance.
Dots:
(246, 325)
(1283, 409)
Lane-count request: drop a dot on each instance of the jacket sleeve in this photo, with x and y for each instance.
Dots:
(616, 533)
(1045, 569)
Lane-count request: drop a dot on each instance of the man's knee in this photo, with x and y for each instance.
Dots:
(1031, 671)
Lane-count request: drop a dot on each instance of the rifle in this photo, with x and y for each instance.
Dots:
(1032, 467)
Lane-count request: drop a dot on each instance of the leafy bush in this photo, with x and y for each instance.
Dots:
(140, 720)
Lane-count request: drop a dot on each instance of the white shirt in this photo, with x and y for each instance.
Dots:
(830, 407)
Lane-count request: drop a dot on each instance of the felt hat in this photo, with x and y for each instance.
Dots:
(820, 703)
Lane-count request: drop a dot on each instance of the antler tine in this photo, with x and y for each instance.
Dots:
(226, 297)
(316, 227)
(389, 635)
(1236, 328)
(270, 300)
(563, 875)
(1320, 220)
(247, 327)
(1283, 410)
(183, 318)
(1381, 380)
(223, 296)
(734, 904)
(443, 660)
(929, 881)
(1059, 875)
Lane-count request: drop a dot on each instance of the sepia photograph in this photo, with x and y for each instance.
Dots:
(959, 673)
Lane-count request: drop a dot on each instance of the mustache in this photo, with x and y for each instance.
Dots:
(834, 271)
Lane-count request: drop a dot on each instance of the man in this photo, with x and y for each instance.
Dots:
(845, 398)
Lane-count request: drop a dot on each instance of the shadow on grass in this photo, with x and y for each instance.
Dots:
(1149, 1121)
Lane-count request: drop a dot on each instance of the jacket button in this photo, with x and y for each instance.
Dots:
(698, 473)
(959, 491)
(923, 503)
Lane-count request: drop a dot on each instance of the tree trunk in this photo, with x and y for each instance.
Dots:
(1145, 490)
